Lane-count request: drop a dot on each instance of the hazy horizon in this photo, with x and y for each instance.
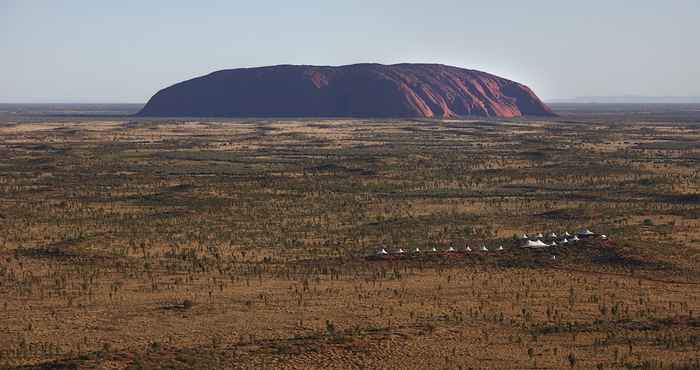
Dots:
(77, 52)
(621, 99)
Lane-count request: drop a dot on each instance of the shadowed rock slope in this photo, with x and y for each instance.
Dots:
(359, 90)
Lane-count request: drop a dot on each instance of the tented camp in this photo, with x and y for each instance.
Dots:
(564, 241)
(534, 244)
(539, 236)
(524, 236)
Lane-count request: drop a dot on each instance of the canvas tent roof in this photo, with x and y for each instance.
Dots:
(584, 232)
(535, 244)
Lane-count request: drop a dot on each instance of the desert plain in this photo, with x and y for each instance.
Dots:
(242, 243)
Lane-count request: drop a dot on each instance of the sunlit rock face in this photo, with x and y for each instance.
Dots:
(358, 90)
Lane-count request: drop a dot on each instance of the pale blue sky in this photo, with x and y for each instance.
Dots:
(124, 51)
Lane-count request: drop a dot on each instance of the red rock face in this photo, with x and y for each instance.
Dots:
(359, 90)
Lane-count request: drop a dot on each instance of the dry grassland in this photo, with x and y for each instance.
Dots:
(241, 244)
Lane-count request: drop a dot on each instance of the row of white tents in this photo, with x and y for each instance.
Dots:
(583, 233)
(526, 242)
(555, 240)
(400, 251)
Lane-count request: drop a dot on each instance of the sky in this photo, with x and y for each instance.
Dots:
(125, 51)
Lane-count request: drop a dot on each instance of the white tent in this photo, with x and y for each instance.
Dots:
(564, 241)
(450, 249)
(566, 234)
(434, 249)
(552, 235)
(382, 252)
(585, 232)
(500, 248)
(524, 236)
(554, 244)
(400, 251)
(417, 250)
(540, 236)
(539, 243)
(575, 239)
(484, 249)
(469, 249)
(603, 236)
(535, 244)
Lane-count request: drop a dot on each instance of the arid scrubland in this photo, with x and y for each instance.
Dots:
(241, 243)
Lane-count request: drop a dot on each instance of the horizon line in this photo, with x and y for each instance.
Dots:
(580, 100)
